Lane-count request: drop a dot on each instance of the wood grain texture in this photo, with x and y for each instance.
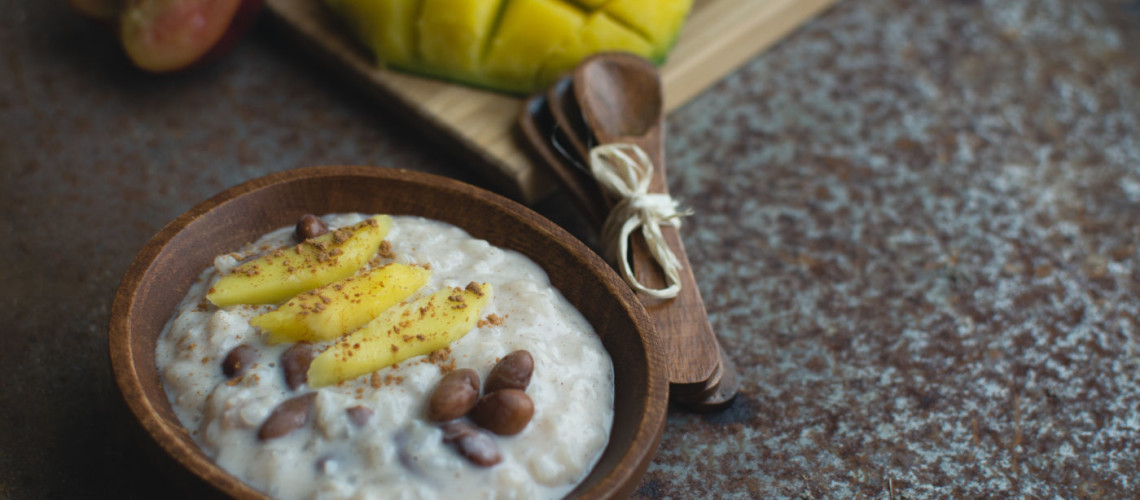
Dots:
(166, 267)
(621, 100)
(479, 126)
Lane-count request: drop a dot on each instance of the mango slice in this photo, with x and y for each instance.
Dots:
(404, 331)
(332, 310)
(514, 46)
(284, 273)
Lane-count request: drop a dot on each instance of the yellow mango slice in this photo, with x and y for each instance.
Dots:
(452, 33)
(600, 33)
(404, 331)
(335, 309)
(316, 262)
(529, 31)
(387, 27)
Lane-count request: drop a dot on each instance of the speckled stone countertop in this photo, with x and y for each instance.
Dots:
(917, 232)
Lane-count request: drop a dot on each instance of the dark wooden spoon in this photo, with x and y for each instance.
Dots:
(621, 101)
(538, 128)
(570, 124)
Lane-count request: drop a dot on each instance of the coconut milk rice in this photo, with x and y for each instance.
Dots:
(369, 437)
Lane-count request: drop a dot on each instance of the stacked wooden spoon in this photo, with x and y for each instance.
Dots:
(616, 98)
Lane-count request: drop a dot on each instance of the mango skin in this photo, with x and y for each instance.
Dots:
(280, 275)
(512, 46)
(404, 331)
(330, 311)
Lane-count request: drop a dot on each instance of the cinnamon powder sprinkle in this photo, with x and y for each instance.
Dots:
(341, 235)
(475, 288)
(441, 358)
(491, 320)
(385, 250)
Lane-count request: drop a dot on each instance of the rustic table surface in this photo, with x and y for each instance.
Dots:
(917, 231)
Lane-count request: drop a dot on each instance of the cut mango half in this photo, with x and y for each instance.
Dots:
(515, 46)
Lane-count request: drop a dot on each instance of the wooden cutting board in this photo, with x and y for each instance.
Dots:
(479, 126)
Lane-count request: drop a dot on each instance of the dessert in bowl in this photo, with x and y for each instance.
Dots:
(192, 423)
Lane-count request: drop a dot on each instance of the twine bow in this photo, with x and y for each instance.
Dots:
(624, 171)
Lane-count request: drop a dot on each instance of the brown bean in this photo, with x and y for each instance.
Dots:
(454, 396)
(504, 412)
(290, 415)
(239, 360)
(310, 226)
(511, 372)
(475, 445)
(359, 415)
(295, 362)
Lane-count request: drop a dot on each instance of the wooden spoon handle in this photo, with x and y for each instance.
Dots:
(690, 344)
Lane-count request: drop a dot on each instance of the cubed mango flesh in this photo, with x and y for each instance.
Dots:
(452, 33)
(515, 46)
(387, 27)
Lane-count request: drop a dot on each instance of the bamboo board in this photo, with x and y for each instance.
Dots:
(479, 126)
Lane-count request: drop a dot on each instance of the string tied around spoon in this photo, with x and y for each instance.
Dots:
(623, 171)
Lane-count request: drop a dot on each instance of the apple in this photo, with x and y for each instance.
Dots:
(163, 36)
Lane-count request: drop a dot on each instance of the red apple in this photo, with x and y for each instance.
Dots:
(106, 11)
(162, 36)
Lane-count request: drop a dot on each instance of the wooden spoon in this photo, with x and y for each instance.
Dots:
(538, 127)
(569, 122)
(620, 98)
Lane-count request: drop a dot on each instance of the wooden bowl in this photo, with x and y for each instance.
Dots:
(163, 271)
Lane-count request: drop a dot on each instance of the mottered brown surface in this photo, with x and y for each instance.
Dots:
(915, 234)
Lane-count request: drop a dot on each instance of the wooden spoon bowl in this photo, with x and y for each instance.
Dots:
(621, 95)
(165, 268)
